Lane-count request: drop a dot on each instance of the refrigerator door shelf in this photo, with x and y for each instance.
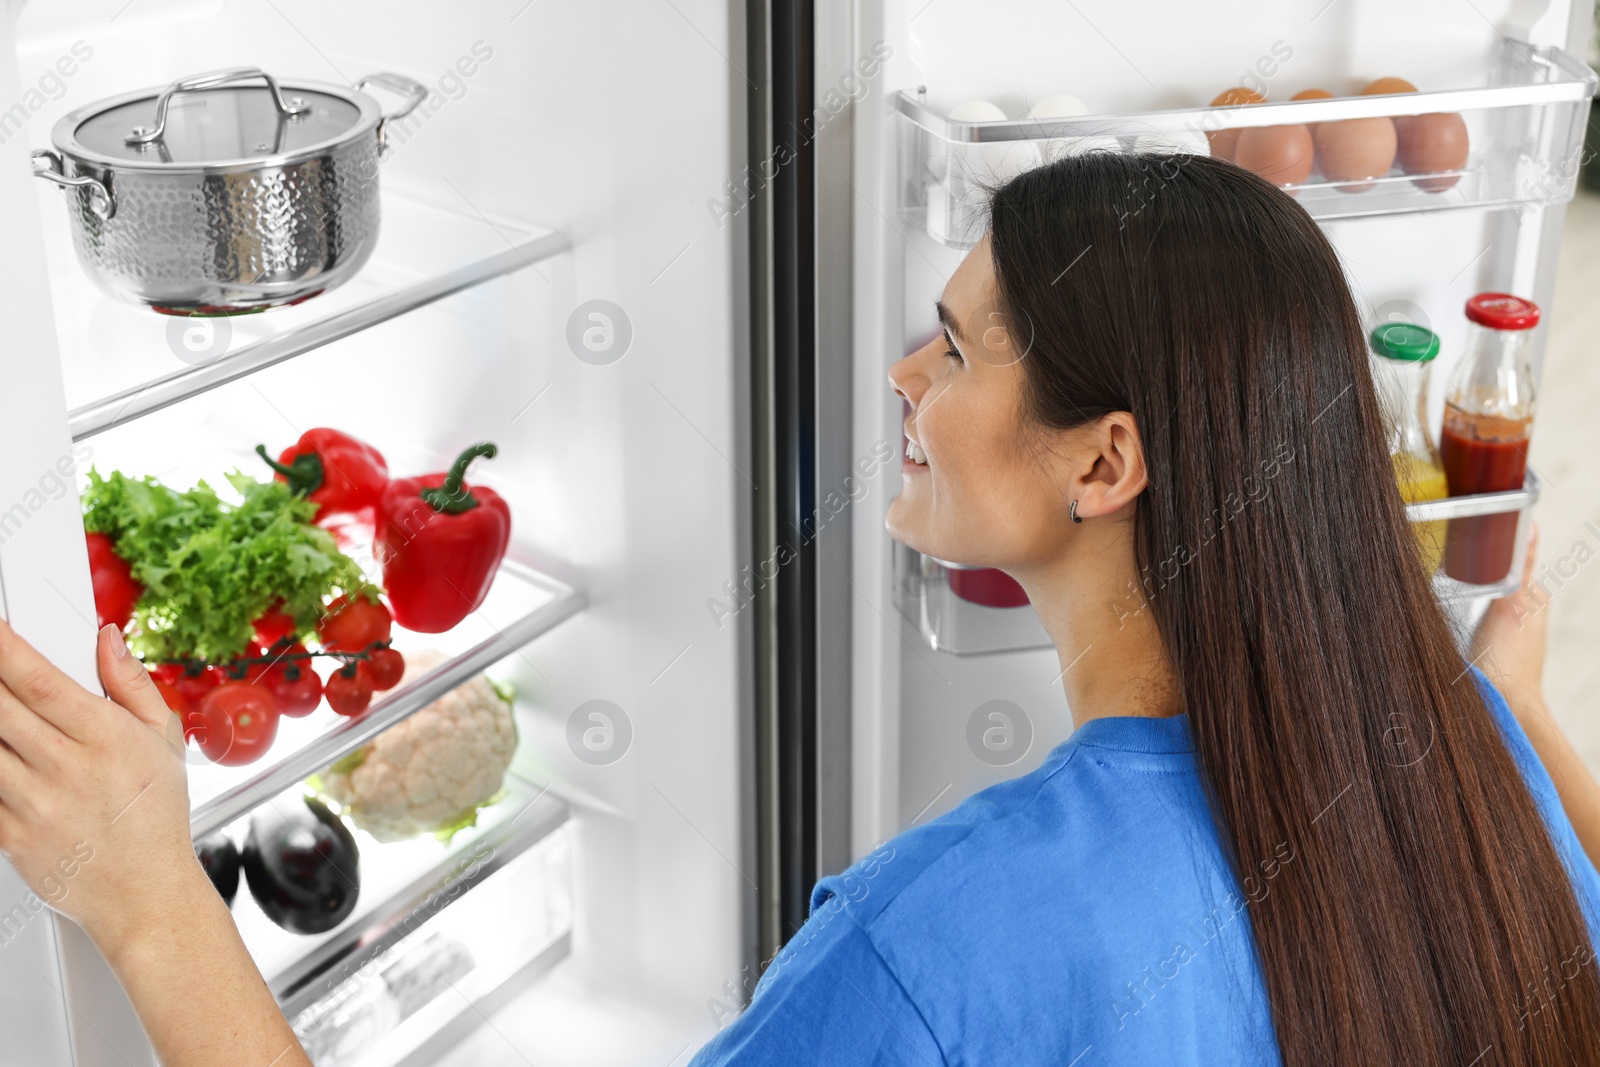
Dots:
(1524, 126)
(121, 362)
(522, 605)
(1503, 518)
(962, 624)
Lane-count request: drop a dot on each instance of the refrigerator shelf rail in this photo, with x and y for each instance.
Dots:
(139, 400)
(966, 610)
(557, 603)
(1525, 130)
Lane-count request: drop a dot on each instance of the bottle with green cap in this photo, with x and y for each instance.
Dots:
(1404, 353)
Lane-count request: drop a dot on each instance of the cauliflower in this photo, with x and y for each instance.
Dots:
(428, 773)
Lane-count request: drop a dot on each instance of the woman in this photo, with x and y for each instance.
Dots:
(1289, 825)
(1292, 824)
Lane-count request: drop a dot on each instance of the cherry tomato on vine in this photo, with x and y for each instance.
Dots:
(174, 699)
(295, 686)
(238, 670)
(195, 686)
(236, 723)
(116, 593)
(274, 625)
(353, 625)
(349, 689)
(386, 666)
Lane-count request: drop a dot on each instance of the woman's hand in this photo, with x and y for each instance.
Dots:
(94, 802)
(1509, 648)
(1509, 644)
(94, 814)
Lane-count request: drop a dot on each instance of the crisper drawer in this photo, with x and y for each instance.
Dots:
(1522, 126)
(441, 935)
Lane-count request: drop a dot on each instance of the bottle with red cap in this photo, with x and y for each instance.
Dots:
(1488, 419)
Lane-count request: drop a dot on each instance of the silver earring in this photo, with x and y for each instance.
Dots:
(1073, 511)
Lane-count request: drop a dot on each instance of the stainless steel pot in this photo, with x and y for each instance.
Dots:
(212, 197)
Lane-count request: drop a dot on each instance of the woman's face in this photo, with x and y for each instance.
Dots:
(983, 484)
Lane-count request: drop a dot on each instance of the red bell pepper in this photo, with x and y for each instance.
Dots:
(336, 471)
(115, 591)
(440, 542)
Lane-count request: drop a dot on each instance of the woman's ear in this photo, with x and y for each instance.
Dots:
(1112, 461)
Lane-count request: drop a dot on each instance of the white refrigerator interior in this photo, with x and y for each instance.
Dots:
(564, 156)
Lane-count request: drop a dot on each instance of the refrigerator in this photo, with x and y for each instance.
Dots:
(662, 253)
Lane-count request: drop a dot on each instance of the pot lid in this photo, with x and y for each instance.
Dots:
(216, 120)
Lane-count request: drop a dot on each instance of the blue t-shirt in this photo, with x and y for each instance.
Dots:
(1077, 916)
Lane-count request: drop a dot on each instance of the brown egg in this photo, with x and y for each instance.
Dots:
(1387, 86)
(1354, 149)
(1432, 143)
(1312, 94)
(1223, 141)
(1280, 154)
(1427, 143)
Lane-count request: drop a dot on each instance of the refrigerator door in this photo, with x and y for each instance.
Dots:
(1414, 251)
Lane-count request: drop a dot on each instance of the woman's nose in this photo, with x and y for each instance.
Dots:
(906, 380)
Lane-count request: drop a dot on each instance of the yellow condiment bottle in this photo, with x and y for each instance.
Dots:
(1404, 353)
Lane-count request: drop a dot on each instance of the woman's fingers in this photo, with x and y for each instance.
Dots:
(44, 688)
(32, 738)
(128, 683)
(13, 778)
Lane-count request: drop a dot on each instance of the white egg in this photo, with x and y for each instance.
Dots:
(1067, 106)
(1192, 142)
(978, 111)
(1058, 106)
(938, 161)
(993, 162)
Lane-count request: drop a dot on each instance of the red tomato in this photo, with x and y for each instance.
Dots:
(194, 687)
(386, 666)
(274, 625)
(295, 686)
(168, 672)
(353, 625)
(175, 701)
(236, 723)
(115, 591)
(349, 689)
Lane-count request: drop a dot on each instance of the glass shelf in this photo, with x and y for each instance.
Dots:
(522, 605)
(1525, 128)
(120, 361)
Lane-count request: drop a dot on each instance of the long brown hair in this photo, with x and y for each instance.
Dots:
(1426, 910)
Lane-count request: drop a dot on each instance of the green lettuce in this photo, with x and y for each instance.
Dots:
(211, 568)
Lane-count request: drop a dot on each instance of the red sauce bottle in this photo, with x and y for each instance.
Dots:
(1488, 420)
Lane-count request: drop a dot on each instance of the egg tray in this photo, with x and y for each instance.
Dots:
(1525, 132)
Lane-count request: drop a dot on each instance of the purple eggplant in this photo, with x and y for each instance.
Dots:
(220, 859)
(302, 866)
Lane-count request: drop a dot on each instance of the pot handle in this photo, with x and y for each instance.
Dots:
(152, 134)
(54, 171)
(414, 90)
